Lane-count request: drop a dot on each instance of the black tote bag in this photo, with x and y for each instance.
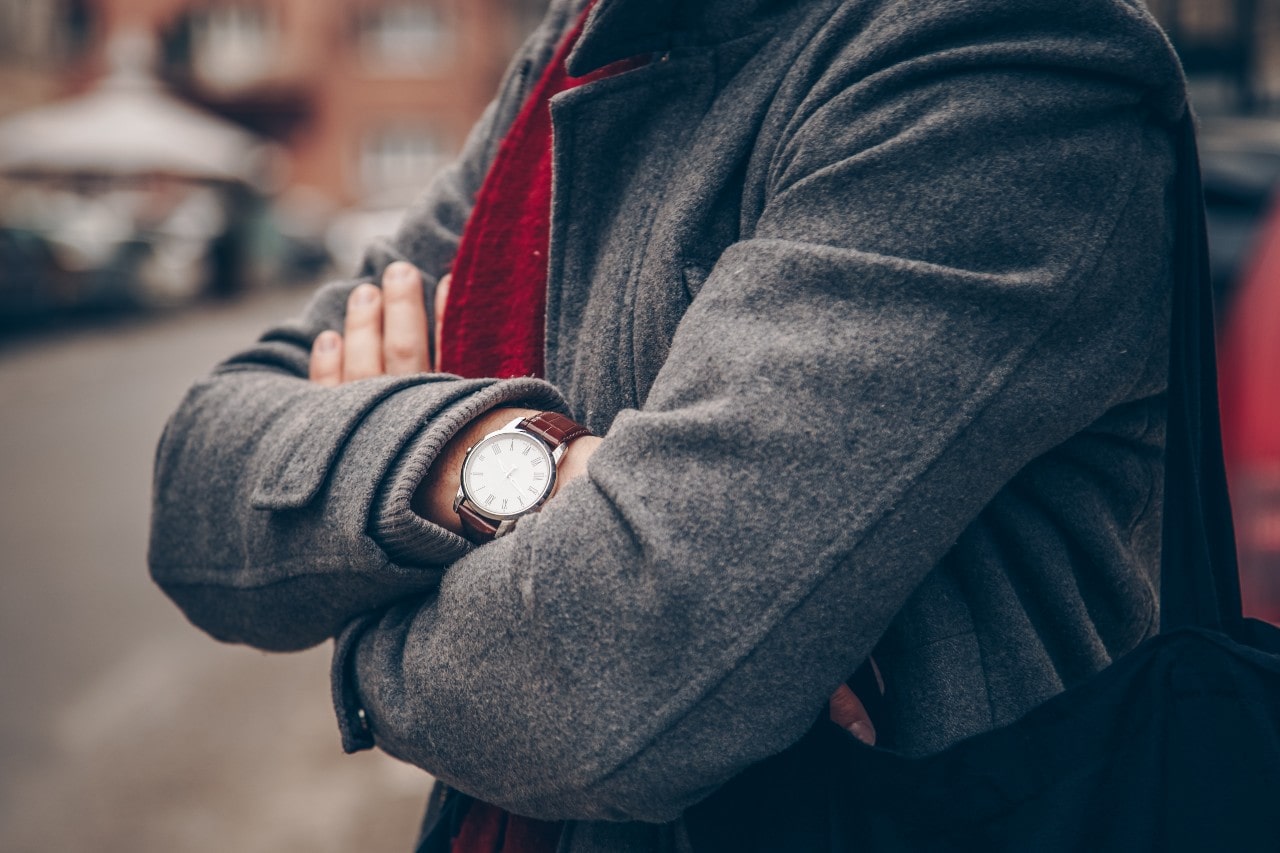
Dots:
(1175, 747)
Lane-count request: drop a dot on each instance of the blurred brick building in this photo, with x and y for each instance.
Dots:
(367, 95)
(370, 95)
(1231, 50)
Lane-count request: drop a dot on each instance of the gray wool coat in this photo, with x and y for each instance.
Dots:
(869, 298)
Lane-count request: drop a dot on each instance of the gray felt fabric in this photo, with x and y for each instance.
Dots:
(870, 299)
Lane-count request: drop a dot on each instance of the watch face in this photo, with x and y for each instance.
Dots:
(508, 474)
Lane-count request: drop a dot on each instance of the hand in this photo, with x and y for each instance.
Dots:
(385, 331)
(847, 711)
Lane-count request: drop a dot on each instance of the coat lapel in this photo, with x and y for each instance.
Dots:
(615, 141)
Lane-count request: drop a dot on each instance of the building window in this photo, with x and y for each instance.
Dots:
(232, 46)
(396, 163)
(405, 38)
(43, 32)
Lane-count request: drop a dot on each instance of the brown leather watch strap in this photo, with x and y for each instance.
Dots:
(554, 428)
(476, 527)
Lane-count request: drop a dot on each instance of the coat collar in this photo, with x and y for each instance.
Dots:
(619, 29)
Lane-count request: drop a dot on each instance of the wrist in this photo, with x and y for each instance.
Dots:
(505, 466)
(574, 462)
(433, 499)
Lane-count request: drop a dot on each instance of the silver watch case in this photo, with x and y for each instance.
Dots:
(507, 522)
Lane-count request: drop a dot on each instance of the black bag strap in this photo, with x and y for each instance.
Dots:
(1200, 583)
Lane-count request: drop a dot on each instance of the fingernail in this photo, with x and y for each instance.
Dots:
(863, 732)
(327, 342)
(401, 271)
(366, 294)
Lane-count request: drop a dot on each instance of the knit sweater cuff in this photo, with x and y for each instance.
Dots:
(408, 538)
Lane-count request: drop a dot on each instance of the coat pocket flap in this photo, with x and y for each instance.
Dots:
(303, 447)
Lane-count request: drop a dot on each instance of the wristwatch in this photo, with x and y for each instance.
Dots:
(511, 472)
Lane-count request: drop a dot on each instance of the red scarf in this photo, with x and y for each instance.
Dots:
(493, 326)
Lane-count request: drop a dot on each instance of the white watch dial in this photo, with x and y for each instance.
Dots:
(508, 474)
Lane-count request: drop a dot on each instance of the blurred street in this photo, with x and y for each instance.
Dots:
(123, 729)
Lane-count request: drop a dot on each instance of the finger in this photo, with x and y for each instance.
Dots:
(362, 335)
(404, 320)
(848, 713)
(442, 300)
(326, 359)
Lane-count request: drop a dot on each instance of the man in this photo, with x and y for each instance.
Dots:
(867, 301)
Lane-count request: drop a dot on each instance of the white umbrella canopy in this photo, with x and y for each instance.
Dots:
(129, 125)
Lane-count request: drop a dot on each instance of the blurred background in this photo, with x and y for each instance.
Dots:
(175, 175)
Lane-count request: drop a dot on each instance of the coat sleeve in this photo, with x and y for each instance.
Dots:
(281, 508)
(960, 263)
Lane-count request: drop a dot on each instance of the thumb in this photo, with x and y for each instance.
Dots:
(848, 713)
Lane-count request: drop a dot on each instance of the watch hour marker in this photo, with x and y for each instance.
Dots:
(537, 462)
(526, 450)
(489, 500)
(504, 504)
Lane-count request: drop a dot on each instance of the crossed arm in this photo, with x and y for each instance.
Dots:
(670, 618)
(385, 333)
